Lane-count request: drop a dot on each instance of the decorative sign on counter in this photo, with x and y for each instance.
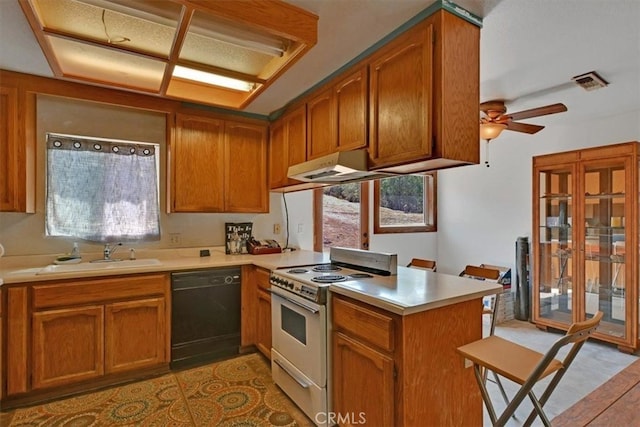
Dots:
(236, 237)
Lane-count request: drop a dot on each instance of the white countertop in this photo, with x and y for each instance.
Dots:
(414, 290)
(22, 269)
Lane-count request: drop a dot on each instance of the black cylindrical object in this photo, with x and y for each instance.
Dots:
(522, 307)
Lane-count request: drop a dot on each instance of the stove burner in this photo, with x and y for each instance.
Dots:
(329, 278)
(326, 267)
(297, 271)
(360, 276)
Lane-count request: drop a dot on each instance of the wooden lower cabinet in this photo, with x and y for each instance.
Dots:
(72, 335)
(135, 334)
(404, 370)
(263, 331)
(256, 309)
(357, 368)
(68, 346)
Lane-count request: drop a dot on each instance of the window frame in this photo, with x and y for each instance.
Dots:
(430, 209)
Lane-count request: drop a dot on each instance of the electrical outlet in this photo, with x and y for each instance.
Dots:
(276, 228)
(174, 239)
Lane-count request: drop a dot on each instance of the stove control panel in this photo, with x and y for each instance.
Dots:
(296, 287)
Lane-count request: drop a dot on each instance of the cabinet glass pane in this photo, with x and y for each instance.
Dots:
(604, 246)
(556, 249)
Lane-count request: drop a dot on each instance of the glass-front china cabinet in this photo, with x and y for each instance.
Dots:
(586, 226)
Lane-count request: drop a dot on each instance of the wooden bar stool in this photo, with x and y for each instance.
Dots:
(525, 367)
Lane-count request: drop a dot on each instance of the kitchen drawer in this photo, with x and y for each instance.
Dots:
(90, 291)
(368, 325)
(262, 278)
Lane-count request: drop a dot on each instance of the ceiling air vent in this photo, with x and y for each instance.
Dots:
(590, 81)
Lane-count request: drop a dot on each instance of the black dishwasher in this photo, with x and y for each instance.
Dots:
(205, 315)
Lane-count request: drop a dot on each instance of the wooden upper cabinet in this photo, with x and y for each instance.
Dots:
(287, 146)
(246, 162)
(401, 82)
(351, 110)
(17, 154)
(218, 166)
(197, 165)
(321, 125)
(337, 116)
(424, 89)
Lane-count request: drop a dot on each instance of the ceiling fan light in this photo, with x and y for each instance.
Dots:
(489, 131)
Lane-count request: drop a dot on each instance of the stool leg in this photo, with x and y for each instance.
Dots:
(483, 391)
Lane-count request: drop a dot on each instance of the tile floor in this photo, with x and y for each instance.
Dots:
(596, 363)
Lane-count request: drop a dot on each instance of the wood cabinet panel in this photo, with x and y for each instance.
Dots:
(262, 276)
(321, 125)
(249, 306)
(287, 146)
(373, 328)
(401, 99)
(197, 164)
(246, 168)
(67, 346)
(9, 149)
(351, 110)
(135, 335)
(263, 342)
(418, 386)
(87, 291)
(18, 333)
(359, 373)
(337, 116)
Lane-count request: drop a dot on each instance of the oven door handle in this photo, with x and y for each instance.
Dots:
(306, 307)
(302, 383)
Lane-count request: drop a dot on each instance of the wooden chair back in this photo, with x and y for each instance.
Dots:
(480, 272)
(425, 264)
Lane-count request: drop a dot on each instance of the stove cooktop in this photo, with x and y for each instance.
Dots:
(311, 281)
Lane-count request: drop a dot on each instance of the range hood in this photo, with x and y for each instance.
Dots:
(340, 167)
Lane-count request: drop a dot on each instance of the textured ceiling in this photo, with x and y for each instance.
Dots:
(530, 49)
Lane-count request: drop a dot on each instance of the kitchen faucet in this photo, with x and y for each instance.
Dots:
(110, 249)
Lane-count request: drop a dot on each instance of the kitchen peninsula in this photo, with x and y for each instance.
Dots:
(398, 335)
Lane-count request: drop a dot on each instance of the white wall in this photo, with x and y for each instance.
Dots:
(23, 234)
(481, 211)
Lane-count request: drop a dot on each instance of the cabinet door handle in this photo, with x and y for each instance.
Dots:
(302, 383)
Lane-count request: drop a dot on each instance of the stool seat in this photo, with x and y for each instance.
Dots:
(524, 367)
(507, 358)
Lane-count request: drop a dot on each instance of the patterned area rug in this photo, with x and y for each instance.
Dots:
(236, 392)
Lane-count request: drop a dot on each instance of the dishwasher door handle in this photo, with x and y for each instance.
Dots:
(300, 382)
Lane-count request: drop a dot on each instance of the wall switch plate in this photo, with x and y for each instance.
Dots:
(276, 228)
(300, 227)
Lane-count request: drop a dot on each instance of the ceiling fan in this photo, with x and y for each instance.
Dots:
(496, 119)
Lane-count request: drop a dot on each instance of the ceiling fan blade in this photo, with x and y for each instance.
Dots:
(536, 112)
(523, 127)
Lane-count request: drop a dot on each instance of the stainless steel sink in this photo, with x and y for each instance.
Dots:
(99, 266)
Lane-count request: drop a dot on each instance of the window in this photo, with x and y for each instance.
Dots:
(405, 204)
(341, 216)
(101, 190)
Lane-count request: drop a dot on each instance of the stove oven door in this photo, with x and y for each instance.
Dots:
(299, 333)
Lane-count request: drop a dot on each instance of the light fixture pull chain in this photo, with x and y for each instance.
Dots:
(486, 153)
